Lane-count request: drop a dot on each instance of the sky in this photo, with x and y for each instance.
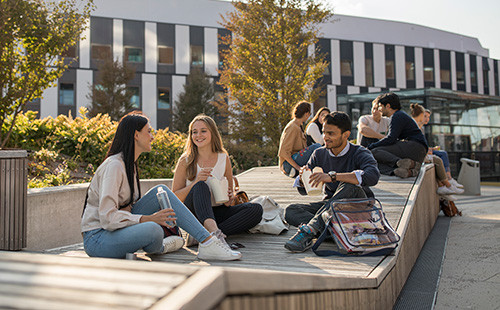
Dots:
(478, 18)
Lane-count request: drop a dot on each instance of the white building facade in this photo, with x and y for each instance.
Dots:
(164, 39)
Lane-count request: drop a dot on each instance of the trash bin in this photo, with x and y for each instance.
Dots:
(13, 197)
(469, 176)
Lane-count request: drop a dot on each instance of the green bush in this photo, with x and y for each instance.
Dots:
(68, 150)
(247, 155)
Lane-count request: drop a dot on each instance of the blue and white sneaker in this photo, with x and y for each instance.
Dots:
(301, 241)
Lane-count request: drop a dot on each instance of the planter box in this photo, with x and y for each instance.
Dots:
(13, 199)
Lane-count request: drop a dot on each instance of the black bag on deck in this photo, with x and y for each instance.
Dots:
(358, 227)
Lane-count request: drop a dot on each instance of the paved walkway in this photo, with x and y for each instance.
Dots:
(470, 277)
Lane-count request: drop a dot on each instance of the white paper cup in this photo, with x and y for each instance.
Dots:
(306, 175)
(219, 189)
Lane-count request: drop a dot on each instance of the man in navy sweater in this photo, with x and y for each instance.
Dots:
(403, 150)
(348, 170)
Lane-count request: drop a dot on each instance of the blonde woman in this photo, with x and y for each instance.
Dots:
(204, 156)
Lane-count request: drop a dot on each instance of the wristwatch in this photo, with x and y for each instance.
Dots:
(333, 175)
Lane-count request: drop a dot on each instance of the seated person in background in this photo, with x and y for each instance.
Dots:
(445, 187)
(348, 171)
(204, 156)
(403, 150)
(373, 127)
(293, 152)
(314, 129)
(117, 221)
(440, 153)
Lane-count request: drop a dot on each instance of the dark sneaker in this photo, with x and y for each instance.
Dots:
(301, 241)
(407, 163)
(405, 173)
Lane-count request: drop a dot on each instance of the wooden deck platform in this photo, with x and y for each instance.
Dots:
(267, 277)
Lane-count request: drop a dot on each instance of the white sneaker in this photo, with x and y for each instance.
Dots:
(456, 190)
(292, 172)
(443, 190)
(217, 250)
(172, 244)
(454, 182)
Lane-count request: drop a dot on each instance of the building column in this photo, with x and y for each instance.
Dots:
(84, 55)
(479, 74)
(359, 63)
(118, 40)
(335, 61)
(331, 97)
(48, 104)
(211, 51)
(453, 64)
(151, 48)
(419, 67)
(468, 87)
(182, 52)
(437, 68)
(379, 79)
(149, 98)
(84, 80)
(400, 64)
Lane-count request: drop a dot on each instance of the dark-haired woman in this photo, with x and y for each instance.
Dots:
(293, 152)
(315, 127)
(117, 221)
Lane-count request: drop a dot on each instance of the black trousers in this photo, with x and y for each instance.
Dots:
(387, 156)
(231, 220)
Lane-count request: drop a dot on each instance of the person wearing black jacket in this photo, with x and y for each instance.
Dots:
(403, 150)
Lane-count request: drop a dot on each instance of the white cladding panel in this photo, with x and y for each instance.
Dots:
(419, 67)
(84, 78)
(48, 104)
(182, 52)
(118, 39)
(331, 97)
(467, 73)
(211, 51)
(359, 63)
(400, 66)
(84, 56)
(491, 77)
(378, 65)
(352, 90)
(335, 61)
(151, 47)
(149, 93)
(479, 74)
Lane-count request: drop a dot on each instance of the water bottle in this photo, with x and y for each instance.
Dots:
(164, 203)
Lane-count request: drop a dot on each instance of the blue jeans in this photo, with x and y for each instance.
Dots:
(444, 157)
(301, 158)
(148, 235)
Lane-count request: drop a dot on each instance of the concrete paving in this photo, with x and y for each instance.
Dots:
(470, 277)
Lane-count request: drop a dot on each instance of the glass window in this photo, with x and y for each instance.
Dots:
(445, 76)
(346, 67)
(66, 94)
(473, 78)
(369, 71)
(428, 74)
(196, 56)
(136, 97)
(166, 55)
(100, 52)
(69, 52)
(164, 98)
(410, 71)
(389, 70)
(133, 54)
(460, 77)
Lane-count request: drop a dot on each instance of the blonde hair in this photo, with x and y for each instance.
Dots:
(191, 150)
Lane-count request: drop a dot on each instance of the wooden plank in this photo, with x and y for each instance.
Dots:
(203, 290)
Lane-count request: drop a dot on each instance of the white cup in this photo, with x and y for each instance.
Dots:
(306, 175)
(219, 189)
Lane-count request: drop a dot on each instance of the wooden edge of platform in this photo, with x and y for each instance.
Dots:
(380, 272)
(96, 262)
(245, 281)
(204, 289)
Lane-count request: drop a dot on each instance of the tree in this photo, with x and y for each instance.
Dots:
(267, 67)
(33, 35)
(197, 97)
(110, 94)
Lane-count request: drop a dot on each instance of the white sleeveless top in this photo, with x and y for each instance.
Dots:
(218, 171)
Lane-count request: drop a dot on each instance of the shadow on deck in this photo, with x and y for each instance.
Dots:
(268, 276)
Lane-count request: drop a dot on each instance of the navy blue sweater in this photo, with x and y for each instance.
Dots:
(402, 127)
(357, 158)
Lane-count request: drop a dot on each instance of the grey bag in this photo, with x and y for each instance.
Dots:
(273, 219)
